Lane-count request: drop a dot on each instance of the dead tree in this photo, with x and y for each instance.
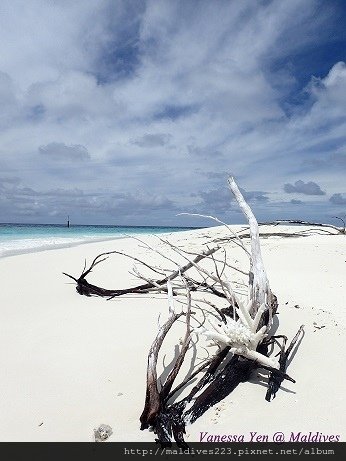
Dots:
(239, 328)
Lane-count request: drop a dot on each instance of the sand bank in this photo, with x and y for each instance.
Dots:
(70, 363)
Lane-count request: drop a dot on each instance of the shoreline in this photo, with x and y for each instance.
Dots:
(52, 246)
(71, 363)
(86, 241)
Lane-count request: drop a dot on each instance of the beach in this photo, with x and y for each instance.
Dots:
(70, 363)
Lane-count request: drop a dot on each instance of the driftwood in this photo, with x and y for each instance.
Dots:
(340, 230)
(222, 376)
(275, 380)
(85, 288)
(240, 329)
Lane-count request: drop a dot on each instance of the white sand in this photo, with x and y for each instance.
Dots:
(70, 363)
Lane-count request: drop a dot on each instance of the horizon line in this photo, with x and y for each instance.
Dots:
(100, 225)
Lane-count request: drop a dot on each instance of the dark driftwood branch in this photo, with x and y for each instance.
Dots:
(87, 289)
(275, 378)
(189, 378)
(153, 396)
(307, 223)
(215, 363)
(236, 371)
(343, 223)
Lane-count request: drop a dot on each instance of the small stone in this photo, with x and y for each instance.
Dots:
(119, 394)
(102, 433)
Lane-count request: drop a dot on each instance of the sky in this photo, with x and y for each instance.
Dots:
(132, 112)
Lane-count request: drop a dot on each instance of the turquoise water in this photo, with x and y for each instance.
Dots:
(25, 238)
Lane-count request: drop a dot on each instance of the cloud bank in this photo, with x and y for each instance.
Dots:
(129, 112)
(300, 187)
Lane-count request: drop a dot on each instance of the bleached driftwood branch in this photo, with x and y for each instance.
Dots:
(245, 334)
(259, 290)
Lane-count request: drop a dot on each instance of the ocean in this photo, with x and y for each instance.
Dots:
(27, 238)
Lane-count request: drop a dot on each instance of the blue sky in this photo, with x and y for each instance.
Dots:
(131, 112)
